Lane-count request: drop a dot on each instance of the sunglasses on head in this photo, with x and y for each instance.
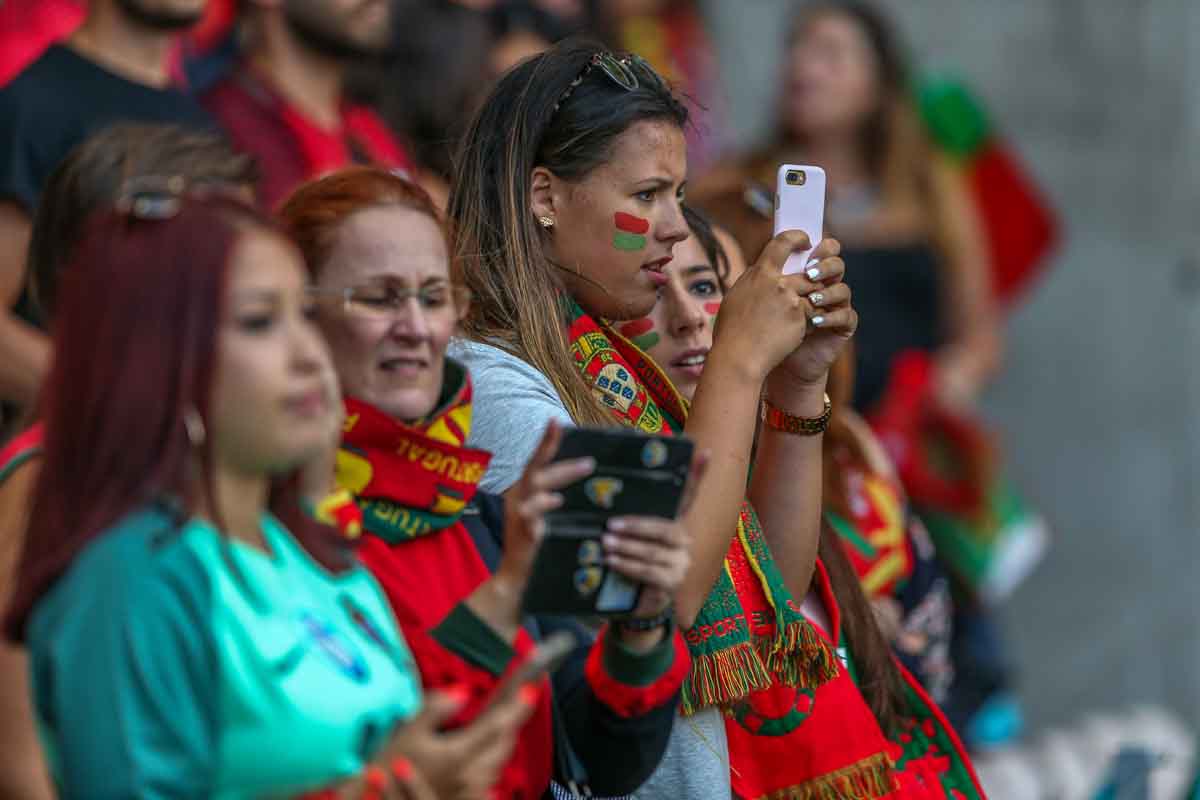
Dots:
(618, 70)
(160, 197)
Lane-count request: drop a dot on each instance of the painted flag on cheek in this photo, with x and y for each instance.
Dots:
(641, 332)
(631, 232)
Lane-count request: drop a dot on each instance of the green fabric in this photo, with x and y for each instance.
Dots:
(638, 669)
(476, 641)
(170, 662)
(953, 116)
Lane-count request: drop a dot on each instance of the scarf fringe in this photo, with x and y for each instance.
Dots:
(800, 657)
(723, 676)
(869, 779)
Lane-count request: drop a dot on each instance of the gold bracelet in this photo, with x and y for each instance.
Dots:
(779, 420)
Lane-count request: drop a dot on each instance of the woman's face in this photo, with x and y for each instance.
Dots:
(615, 230)
(389, 341)
(831, 82)
(678, 331)
(274, 397)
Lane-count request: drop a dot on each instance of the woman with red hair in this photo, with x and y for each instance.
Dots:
(190, 632)
(454, 561)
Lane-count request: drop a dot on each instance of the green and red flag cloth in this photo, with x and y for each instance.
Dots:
(1020, 226)
(983, 531)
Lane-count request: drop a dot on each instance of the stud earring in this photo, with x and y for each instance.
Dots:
(546, 222)
(193, 423)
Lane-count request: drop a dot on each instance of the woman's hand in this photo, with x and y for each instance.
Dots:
(655, 552)
(462, 764)
(765, 316)
(527, 502)
(400, 781)
(498, 600)
(833, 321)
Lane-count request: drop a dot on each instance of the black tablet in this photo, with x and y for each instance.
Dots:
(636, 474)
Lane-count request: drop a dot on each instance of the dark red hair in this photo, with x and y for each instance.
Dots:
(315, 211)
(135, 345)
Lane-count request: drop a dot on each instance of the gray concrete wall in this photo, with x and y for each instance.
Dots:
(1099, 396)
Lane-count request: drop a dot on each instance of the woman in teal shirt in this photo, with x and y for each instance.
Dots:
(190, 633)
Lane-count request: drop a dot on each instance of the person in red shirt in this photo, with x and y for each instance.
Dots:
(283, 102)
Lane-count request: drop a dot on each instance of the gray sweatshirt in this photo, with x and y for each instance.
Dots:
(512, 405)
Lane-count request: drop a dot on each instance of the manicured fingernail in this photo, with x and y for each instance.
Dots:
(610, 541)
(376, 780)
(816, 298)
(529, 695)
(402, 769)
(458, 694)
(813, 273)
(617, 524)
(818, 321)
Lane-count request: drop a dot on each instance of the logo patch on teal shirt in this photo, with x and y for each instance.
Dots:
(339, 649)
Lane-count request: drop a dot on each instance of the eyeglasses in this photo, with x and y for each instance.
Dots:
(388, 302)
(619, 71)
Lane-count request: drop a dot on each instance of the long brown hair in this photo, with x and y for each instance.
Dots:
(526, 122)
(880, 682)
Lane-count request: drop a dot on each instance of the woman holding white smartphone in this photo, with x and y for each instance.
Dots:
(567, 207)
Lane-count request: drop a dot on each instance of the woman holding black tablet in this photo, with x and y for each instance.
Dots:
(566, 207)
(453, 560)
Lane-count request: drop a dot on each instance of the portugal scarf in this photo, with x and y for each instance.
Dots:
(411, 480)
(750, 635)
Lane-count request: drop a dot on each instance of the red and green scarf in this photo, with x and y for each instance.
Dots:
(750, 635)
(411, 480)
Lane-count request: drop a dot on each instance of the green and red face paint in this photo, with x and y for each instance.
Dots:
(631, 232)
(641, 332)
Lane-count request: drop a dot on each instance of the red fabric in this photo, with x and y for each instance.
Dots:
(881, 552)
(1021, 230)
(289, 147)
(28, 27)
(405, 465)
(632, 701)
(424, 579)
(217, 23)
(918, 778)
(827, 729)
(23, 446)
(904, 420)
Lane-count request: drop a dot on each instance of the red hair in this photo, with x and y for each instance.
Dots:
(135, 346)
(315, 211)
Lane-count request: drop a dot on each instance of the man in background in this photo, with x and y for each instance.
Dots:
(284, 101)
(114, 68)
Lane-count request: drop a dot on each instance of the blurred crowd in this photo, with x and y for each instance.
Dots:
(302, 298)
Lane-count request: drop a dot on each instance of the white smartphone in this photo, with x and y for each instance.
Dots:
(800, 206)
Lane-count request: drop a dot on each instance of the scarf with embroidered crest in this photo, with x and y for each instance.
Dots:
(750, 635)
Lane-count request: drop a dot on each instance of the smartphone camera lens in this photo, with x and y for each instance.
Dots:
(795, 177)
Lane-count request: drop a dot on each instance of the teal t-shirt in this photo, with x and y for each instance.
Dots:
(170, 661)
